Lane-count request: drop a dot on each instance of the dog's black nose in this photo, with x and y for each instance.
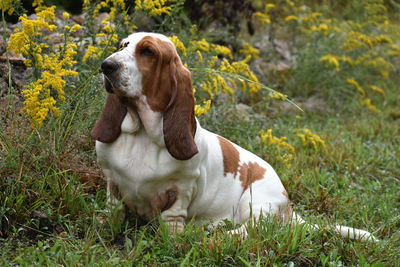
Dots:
(108, 66)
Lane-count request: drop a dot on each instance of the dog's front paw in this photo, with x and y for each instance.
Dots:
(175, 225)
(241, 232)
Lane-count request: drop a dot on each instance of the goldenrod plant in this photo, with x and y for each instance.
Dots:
(49, 68)
(362, 46)
(7, 6)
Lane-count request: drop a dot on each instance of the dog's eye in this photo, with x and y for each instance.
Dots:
(147, 52)
(123, 45)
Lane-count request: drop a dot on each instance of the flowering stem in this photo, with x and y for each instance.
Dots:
(10, 88)
(240, 77)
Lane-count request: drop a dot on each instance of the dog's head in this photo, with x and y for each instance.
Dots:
(147, 66)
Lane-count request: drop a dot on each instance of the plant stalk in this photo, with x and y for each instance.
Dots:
(10, 87)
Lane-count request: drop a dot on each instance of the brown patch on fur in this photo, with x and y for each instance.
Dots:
(114, 189)
(166, 200)
(167, 86)
(230, 155)
(108, 127)
(289, 209)
(249, 173)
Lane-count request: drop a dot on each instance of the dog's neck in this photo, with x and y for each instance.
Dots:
(152, 121)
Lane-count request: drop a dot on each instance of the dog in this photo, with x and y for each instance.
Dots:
(160, 161)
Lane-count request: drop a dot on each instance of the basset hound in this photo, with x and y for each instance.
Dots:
(159, 160)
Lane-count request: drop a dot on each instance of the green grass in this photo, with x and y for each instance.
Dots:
(51, 209)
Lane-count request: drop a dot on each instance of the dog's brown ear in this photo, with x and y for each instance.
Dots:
(168, 89)
(179, 123)
(108, 127)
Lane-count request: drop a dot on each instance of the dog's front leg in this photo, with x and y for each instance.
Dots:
(174, 212)
(114, 201)
(116, 215)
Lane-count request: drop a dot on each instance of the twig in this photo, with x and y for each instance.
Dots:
(240, 77)
(10, 88)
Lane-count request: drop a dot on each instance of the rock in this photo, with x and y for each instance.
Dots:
(56, 38)
(32, 16)
(2, 46)
(3, 87)
(19, 72)
(60, 21)
(312, 104)
(39, 215)
(242, 107)
(14, 60)
(100, 17)
(80, 19)
(9, 30)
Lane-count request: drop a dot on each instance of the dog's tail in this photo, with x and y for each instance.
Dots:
(344, 231)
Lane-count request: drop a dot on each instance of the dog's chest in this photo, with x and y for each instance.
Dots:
(144, 171)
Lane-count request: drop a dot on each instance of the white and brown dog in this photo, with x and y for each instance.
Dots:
(157, 157)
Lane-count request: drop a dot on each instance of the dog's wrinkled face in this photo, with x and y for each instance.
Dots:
(147, 74)
(123, 71)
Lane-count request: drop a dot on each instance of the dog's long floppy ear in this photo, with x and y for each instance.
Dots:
(179, 123)
(108, 127)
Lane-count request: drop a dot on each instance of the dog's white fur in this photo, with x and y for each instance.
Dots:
(219, 181)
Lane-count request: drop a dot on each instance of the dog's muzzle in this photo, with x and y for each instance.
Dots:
(109, 69)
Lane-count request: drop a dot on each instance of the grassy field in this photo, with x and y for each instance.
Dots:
(52, 192)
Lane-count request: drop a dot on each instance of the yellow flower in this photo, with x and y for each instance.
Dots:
(249, 50)
(37, 3)
(291, 3)
(381, 39)
(380, 64)
(107, 29)
(356, 85)
(227, 67)
(50, 68)
(367, 103)
(201, 45)
(262, 17)
(178, 44)
(290, 18)
(66, 15)
(75, 28)
(269, 6)
(91, 52)
(207, 87)
(330, 60)
(242, 68)
(312, 17)
(153, 7)
(394, 51)
(116, 7)
(284, 150)
(357, 39)
(222, 50)
(310, 139)
(200, 110)
(7, 4)
(211, 63)
(138, 4)
(347, 60)
(199, 55)
(377, 89)
(278, 95)
(322, 28)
